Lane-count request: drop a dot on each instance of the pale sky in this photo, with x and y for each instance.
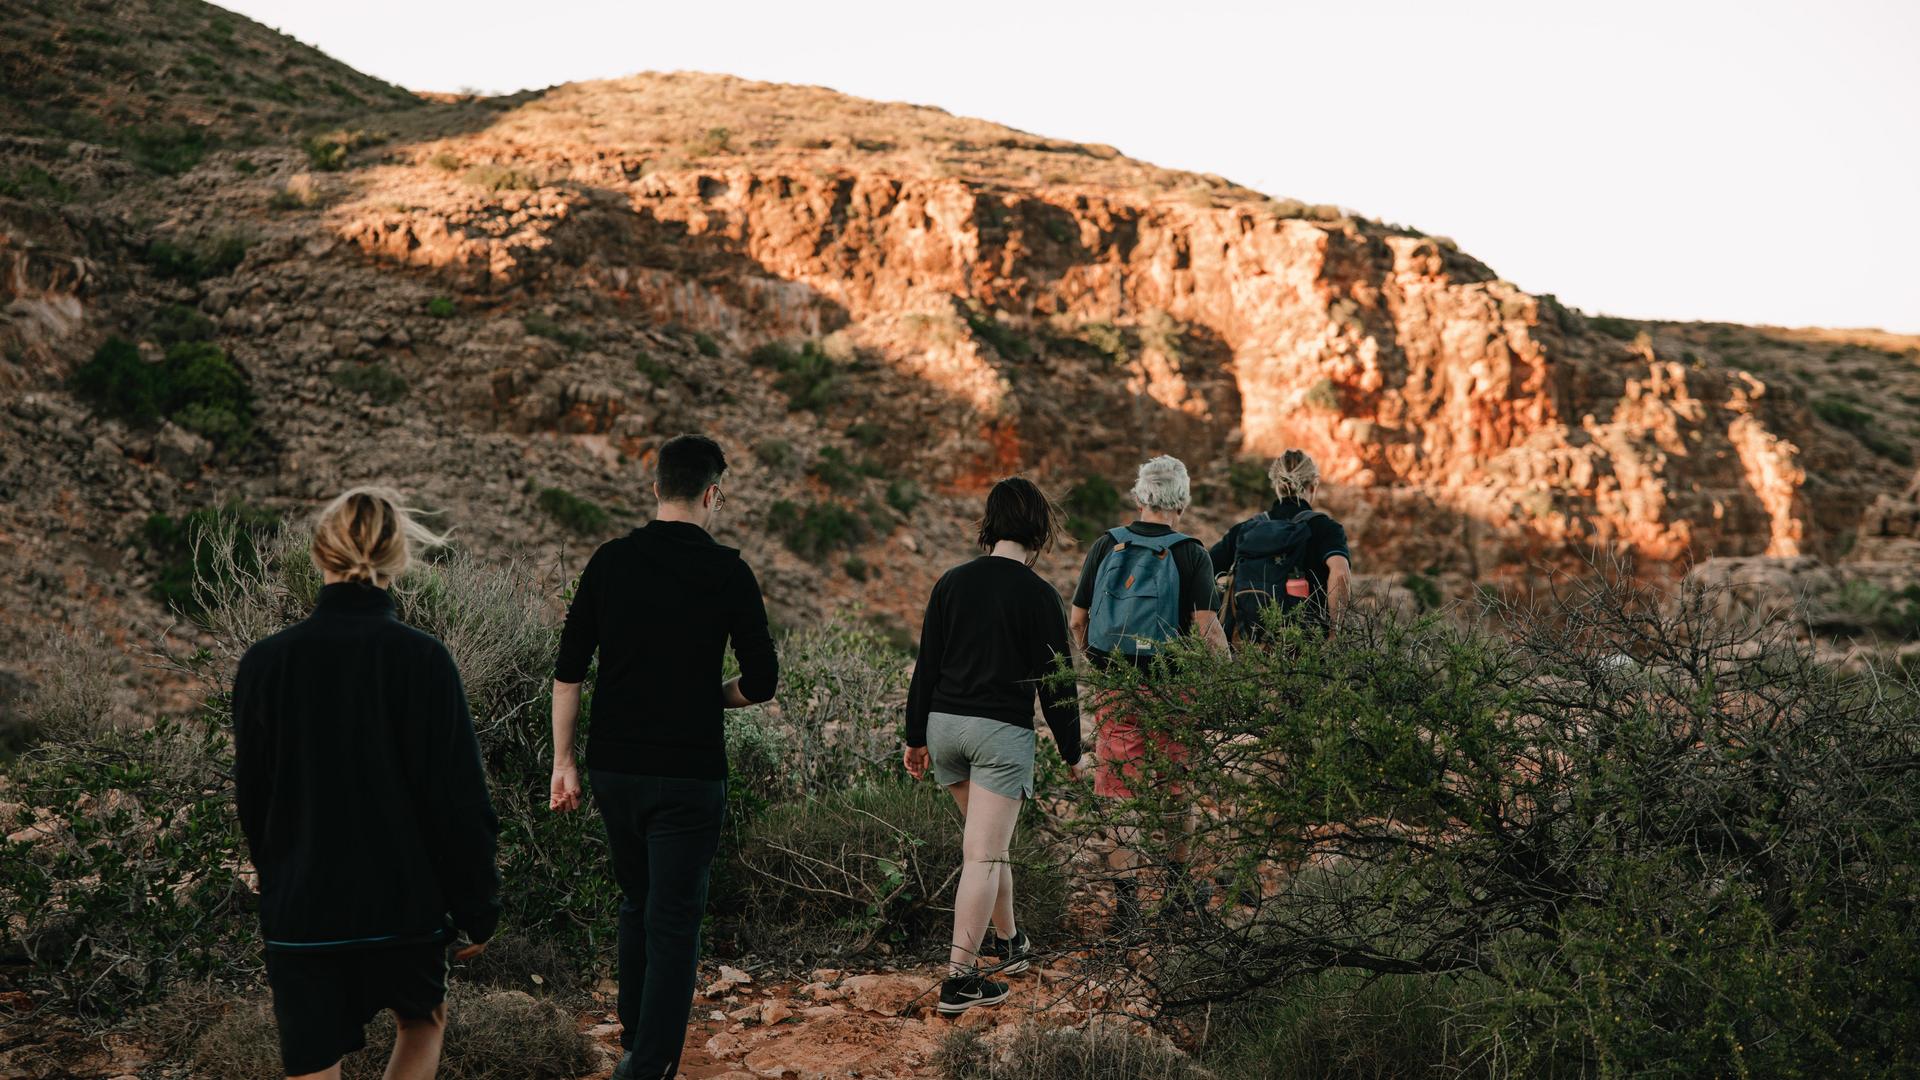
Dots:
(1688, 159)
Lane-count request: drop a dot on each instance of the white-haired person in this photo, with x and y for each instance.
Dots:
(1143, 584)
(360, 789)
(1291, 556)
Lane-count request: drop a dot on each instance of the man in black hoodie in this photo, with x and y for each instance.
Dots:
(660, 606)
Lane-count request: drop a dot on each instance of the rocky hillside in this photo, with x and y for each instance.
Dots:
(237, 276)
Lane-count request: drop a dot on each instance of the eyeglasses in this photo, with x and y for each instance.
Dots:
(719, 497)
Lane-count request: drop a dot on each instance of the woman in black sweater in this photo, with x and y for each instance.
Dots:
(994, 631)
(360, 788)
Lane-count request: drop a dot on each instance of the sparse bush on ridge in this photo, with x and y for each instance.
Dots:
(814, 530)
(197, 260)
(195, 386)
(378, 382)
(807, 375)
(579, 515)
(1092, 505)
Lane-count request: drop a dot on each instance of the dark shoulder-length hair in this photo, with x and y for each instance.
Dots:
(1019, 511)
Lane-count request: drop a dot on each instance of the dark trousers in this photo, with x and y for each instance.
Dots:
(663, 832)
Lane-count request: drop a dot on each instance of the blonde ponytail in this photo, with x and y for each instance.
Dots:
(1293, 474)
(367, 535)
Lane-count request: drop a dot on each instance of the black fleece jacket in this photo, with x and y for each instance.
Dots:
(359, 782)
(660, 605)
(993, 632)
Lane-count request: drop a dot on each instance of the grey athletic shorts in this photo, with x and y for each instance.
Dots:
(998, 756)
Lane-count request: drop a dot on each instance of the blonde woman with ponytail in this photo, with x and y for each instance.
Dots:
(359, 785)
(1291, 556)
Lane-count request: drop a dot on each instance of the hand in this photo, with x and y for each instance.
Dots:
(565, 793)
(469, 951)
(916, 759)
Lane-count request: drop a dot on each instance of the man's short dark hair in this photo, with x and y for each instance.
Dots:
(1019, 511)
(687, 466)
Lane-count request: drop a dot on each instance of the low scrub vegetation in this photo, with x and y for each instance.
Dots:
(195, 386)
(583, 516)
(196, 260)
(809, 377)
(1861, 424)
(376, 381)
(816, 529)
(1092, 505)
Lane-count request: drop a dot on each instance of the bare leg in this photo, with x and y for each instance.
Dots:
(416, 1046)
(989, 834)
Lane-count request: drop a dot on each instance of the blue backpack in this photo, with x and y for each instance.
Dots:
(1136, 595)
(1268, 571)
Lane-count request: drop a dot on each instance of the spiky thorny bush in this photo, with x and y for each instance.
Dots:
(1102, 1050)
(1666, 846)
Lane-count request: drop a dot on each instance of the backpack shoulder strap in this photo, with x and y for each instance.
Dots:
(1305, 516)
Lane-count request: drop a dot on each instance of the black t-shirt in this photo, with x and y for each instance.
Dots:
(993, 632)
(1197, 592)
(661, 605)
(1327, 539)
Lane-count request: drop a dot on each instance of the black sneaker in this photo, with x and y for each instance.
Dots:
(962, 992)
(1005, 956)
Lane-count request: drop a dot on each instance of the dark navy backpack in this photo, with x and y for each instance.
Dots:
(1136, 595)
(1268, 557)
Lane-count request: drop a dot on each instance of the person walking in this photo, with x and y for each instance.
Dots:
(993, 633)
(660, 606)
(1142, 585)
(1291, 556)
(359, 786)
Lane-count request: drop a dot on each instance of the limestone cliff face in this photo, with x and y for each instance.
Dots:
(1420, 381)
(487, 301)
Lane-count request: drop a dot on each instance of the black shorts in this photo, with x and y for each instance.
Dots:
(323, 1000)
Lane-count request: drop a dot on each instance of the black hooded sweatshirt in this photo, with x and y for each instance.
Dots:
(359, 783)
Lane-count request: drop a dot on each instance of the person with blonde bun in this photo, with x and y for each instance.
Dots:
(360, 788)
(1292, 556)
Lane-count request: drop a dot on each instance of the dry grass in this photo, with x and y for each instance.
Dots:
(674, 119)
(491, 1035)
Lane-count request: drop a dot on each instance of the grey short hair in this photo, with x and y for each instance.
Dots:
(1163, 485)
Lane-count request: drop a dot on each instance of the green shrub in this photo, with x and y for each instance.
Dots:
(196, 386)
(167, 149)
(1103, 1050)
(866, 434)
(1107, 338)
(1092, 505)
(1585, 815)
(138, 888)
(655, 372)
(377, 381)
(442, 307)
(904, 495)
(807, 375)
(816, 529)
(176, 323)
(1347, 1026)
(541, 326)
(197, 261)
(853, 867)
(328, 152)
(832, 468)
(776, 453)
(1862, 425)
(573, 512)
(33, 182)
(491, 1035)
(705, 345)
(179, 556)
(1005, 340)
(1618, 329)
(446, 161)
(1249, 482)
(1425, 592)
(855, 567)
